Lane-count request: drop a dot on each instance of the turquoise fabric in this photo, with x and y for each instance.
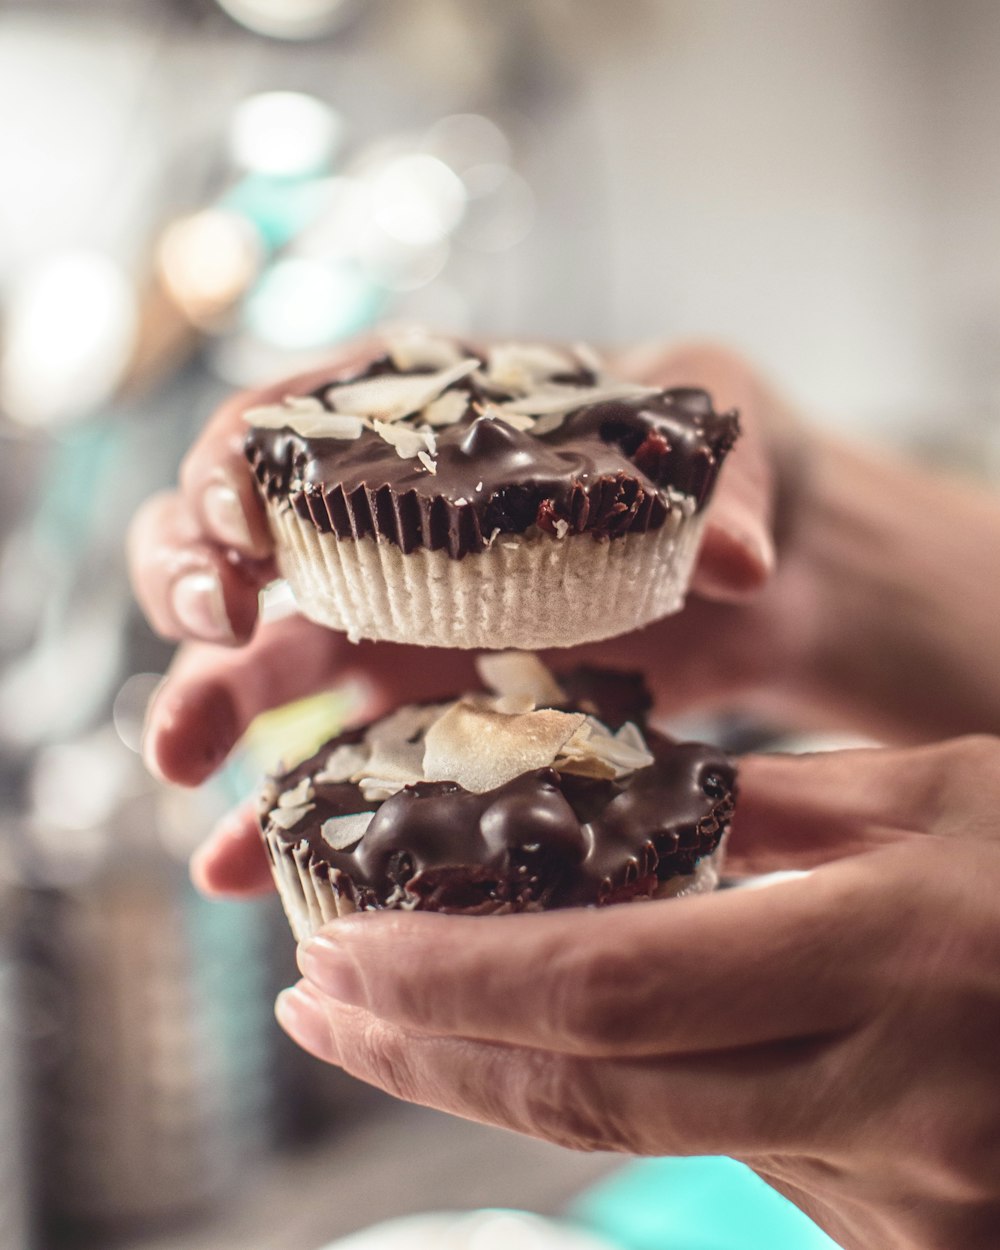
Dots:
(695, 1204)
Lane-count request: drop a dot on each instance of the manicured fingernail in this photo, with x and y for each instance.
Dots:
(223, 509)
(325, 964)
(744, 528)
(200, 607)
(302, 1017)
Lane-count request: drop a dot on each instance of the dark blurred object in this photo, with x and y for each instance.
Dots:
(14, 1233)
(149, 1008)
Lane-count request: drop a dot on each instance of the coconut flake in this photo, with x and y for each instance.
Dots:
(481, 749)
(589, 358)
(416, 350)
(554, 398)
(545, 425)
(407, 441)
(519, 421)
(594, 751)
(391, 398)
(287, 817)
(512, 673)
(446, 409)
(298, 795)
(344, 762)
(429, 464)
(343, 832)
(520, 367)
(310, 422)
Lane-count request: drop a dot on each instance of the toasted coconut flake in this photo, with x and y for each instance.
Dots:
(631, 735)
(344, 762)
(407, 441)
(513, 673)
(595, 752)
(309, 422)
(481, 749)
(446, 409)
(520, 367)
(304, 403)
(378, 789)
(545, 425)
(392, 398)
(287, 817)
(406, 724)
(416, 350)
(516, 419)
(554, 398)
(343, 832)
(298, 795)
(589, 358)
(429, 464)
(396, 759)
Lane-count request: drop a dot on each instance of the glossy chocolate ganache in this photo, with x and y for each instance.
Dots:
(434, 446)
(588, 808)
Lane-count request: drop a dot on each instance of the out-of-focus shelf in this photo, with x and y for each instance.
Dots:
(398, 1161)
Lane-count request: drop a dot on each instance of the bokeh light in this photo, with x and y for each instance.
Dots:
(302, 303)
(284, 134)
(207, 261)
(71, 324)
(465, 140)
(290, 19)
(417, 199)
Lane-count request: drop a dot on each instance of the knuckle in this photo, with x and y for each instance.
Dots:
(587, 1011)
(384, 1061)
(562, 1102)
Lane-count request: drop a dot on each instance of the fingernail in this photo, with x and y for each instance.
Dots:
(223, 509)
(200, 607)
(324, 963)
(302, 1017)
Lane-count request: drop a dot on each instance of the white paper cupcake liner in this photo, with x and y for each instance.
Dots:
(525, 593)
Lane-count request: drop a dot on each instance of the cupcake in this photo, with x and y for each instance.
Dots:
(532, 797)
(513, 498)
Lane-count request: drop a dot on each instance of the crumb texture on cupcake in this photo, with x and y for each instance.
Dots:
(533, 796)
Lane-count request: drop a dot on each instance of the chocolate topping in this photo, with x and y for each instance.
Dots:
(545, 839)
(607, 468)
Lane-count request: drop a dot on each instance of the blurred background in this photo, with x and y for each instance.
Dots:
(203, 194)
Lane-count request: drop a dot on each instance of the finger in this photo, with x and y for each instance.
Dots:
(232, 862)
(211, 694)
(215, 478)
(650, 978)
(799, 811)
(187, 586)
(738, 1102)
(737, 554)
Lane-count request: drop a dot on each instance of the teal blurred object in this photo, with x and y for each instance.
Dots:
(695, 1204)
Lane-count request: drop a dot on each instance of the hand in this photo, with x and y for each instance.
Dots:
(837, 1032)
(199, 556)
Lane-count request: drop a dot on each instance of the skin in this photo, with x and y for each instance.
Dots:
(845, 1045)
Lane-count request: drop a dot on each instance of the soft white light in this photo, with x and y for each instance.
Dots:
(289, 19)
(465, 140)
(304, 303)
(417, 199)
(284, 133)
(207, 261)
(70, 329)
(500, 211)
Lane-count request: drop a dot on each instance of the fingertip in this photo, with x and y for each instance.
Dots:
(232, 861)
(189, 733)
(736, 561)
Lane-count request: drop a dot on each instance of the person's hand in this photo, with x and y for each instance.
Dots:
(200, 555)
(837, 1032)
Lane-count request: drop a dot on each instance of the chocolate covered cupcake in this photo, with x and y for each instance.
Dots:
(512, 498)
(522, 800)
